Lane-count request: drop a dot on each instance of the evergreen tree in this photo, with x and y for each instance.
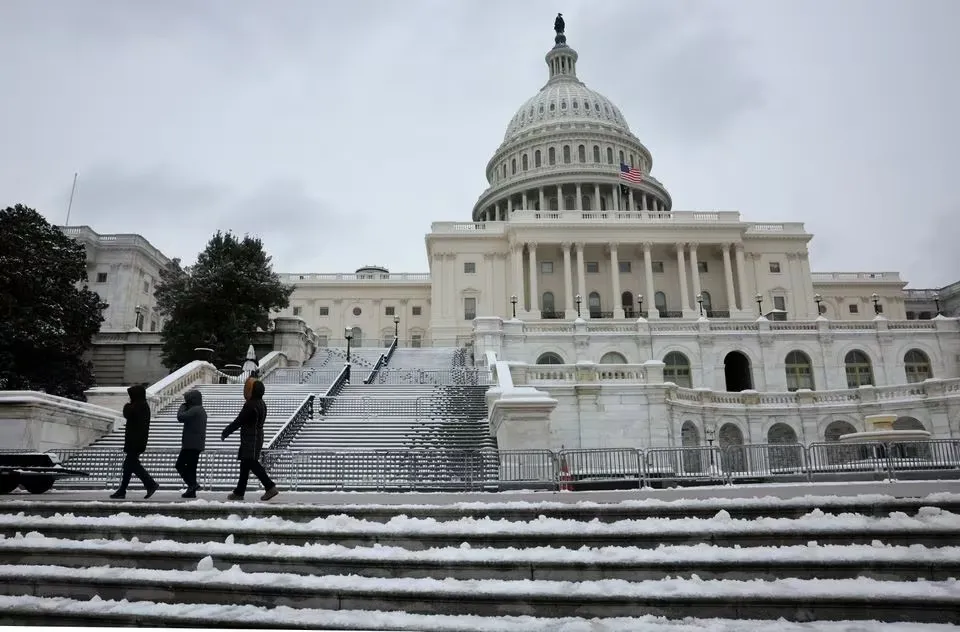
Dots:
(220, 301)
(48, 315)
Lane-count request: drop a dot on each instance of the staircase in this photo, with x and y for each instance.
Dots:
(660, 565)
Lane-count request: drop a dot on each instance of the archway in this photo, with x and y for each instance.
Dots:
(916, 364)
(784, 451)
(737, 373)
(593, 304)
(626, 302)
(676, 369)
(908, 423)
(842, 453)
(799, 371)
(730, 440)
(549, 358)
(357, 340)
(613, 357)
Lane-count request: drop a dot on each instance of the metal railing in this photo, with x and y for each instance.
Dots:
(292, 427)
(334, 391)
(467, 470)
(457, 376)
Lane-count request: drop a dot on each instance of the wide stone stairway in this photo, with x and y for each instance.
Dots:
(731, 564)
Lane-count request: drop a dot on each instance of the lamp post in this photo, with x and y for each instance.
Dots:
(710, 432)
(818, 300)
(759, 298)
(936, 301)
(640, 305)
(578, 299)
(396, 327)
(876, 303)
(513, 301)
(700, 303)
(348, 334)
(138, 310)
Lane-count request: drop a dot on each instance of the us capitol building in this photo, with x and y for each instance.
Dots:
(575, 260)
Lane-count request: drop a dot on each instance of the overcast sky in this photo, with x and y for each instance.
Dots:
(338, 131)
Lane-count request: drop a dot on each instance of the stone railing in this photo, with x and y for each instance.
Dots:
(824, 277)
(585, 373)
(33, 420)
(127, 240)
(680, 217)
(353, 277)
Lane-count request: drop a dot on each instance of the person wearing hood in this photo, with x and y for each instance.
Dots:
(193, 440)
(250, 423)
(135, 435)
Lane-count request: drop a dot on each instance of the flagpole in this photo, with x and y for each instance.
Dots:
(70, 204)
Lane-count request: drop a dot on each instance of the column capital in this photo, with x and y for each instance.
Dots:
(681, 245)
(725, 245)
(647, 245)
(531, 245)
(579, 245)
(613, 245)
(739, 246)
(694, 245)
(565, 245)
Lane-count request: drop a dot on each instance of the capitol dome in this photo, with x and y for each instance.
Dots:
(564, 150)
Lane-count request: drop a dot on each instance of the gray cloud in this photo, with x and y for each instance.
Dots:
(339, 131)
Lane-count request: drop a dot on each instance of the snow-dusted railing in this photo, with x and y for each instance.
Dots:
(567, 469)
(547, 374)
(292, 425)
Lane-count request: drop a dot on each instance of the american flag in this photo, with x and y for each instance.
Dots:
(630, 174)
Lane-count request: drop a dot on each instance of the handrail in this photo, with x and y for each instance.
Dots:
(290, 428)
(342, 380)
(393, 347)
(376, 368)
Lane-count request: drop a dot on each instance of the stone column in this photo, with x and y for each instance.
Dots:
(682, 268)
(643, 201)
(742, 276)
(516, 252)
(534, 293)
(542, 203)
(579, 204)
(630, 202)
(509, 205)
(596, 196)
(560, 198)
(695, 272)
(582, 281)
(615, 281)
(648, 280)
(728, 276)
(570, 310)
(524, 200)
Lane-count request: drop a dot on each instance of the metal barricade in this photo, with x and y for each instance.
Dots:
(687, 464)
(599, 468)
(935, 458)
(836, 461)
(527, 469)
(763, 462)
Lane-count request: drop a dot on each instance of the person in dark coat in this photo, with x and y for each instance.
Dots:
(194, 419)
(135, 435)
(250, 423)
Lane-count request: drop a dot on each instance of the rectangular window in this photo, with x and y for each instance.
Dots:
(153, 325)
(702, 267)
(854, 309)
(780, 302)
(911, 315)
(593, 267)
(324, 311)
(775, 267)
(101, 277)
(657, 267)
(625, 267)
(417, 310)
(390, 310)
(879, 308)
(297, 310)
(416, 341)
(469, 267)
(469, 308)
(146, 287)
(322, 340)
(546, 267)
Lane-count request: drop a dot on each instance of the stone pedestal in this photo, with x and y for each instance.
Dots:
(520, 418)
(879, 422)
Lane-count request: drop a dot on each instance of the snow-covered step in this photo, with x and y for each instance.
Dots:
(932, 527)
(860, 598)
(813, 561)
(28, 610)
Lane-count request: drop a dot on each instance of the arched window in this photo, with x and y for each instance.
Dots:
(513, 166)
(593, 302)
(631, 160)
(660, 302)
(536, 158)
(549, 358)
(524, 162)
(837, 429)
(569, 202)
(547, 303)
(799, 371)
(504, 170)
(781, 433)
(586, 203)
(582, 153)
(908, 423)
(609, 155)
(626, 300)
(621, 157)
(690, 438)
(613, 357)
(917, 366)
(603, 203)
(785, 452)
(554, 204)
(596, 153)
(552, 156)
(859, 369)
(731, 437)
(566, 154)
(677, 369)
(706, 302)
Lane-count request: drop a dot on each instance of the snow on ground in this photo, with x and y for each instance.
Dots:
(402, 621)
(698, 553)
(900, 489)
(672, 587)
(816, 521)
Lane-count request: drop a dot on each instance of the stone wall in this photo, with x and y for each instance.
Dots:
(30, 420)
